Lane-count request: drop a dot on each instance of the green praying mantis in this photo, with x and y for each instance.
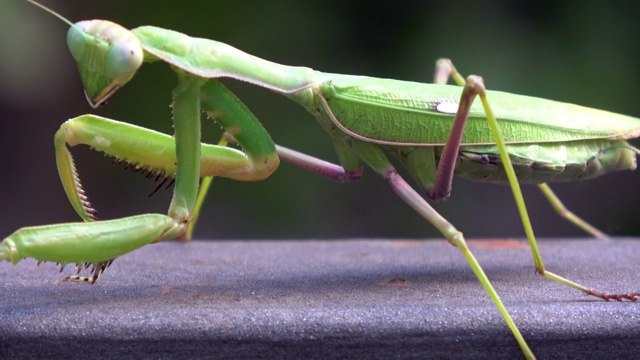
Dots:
(434, 131)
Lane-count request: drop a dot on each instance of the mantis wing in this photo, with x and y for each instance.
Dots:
(411, 113)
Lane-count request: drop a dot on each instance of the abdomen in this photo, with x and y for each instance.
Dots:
(547, 162)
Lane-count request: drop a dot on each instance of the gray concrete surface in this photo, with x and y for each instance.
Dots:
(324, 299)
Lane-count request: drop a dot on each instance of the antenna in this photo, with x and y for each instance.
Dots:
(52, 12)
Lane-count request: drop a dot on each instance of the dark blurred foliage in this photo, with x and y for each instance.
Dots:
(581, 52)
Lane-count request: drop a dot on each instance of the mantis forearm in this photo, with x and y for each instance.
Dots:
(81, 243)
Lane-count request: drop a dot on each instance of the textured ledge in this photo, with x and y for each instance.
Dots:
(324, 299)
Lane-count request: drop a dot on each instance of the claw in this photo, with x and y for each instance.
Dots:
(97, 270)
(616, 297)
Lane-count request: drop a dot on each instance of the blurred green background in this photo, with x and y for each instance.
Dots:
(581, 52)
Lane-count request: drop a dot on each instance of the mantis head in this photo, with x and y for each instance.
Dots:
(107, 54)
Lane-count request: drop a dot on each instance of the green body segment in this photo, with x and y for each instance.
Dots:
(80, 243)
(239, 122)
(212, 59)
(556, 142)
(547, 162)
(142, 149)
(186, 125)
(152, 150)
(121, 140)
(410, 113)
